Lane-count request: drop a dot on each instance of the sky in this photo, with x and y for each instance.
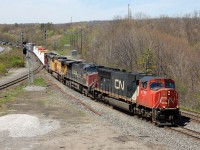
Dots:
(65, 11)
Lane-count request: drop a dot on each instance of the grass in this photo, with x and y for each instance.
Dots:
(12, 59)
(65, 39)
(189, 109)
(40, 82)
(64, 52)
(10, 96)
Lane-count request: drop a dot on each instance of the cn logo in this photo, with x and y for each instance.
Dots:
(119, 84)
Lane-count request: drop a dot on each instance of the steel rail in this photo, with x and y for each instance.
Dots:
(191, 115)
(185, 131)
(20, 79)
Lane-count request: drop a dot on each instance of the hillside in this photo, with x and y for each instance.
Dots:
(163, 46)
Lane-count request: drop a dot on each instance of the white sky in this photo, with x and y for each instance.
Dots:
(61, 11)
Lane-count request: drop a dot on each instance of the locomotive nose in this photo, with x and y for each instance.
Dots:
(168, 98)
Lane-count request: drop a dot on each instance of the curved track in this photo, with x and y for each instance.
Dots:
(22, 78)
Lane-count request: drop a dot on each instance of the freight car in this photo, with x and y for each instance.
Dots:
(40, 52)
(145, 95)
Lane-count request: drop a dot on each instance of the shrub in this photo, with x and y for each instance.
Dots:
(16, 61)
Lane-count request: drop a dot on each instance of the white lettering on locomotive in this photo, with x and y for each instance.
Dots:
(119, 84)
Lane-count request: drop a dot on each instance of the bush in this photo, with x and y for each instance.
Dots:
(40, 82)
(16, 62)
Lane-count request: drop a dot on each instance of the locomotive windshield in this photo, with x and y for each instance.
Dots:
(169, 84)
(156, 86)
(91, 69)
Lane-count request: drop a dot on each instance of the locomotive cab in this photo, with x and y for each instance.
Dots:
(159, 94)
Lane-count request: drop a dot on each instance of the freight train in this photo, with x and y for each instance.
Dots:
(148, 96)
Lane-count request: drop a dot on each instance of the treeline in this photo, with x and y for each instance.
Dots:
(164, 46)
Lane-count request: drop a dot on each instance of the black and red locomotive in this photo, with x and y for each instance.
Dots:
(146, 95)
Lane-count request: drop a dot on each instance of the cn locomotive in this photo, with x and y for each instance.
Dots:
(147, 96)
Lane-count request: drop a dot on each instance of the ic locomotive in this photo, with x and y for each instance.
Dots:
(145, 95)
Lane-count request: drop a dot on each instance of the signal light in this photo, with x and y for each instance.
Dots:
(24, 51)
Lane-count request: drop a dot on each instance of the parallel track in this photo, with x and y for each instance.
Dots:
(193, 116)
(4, 86)
(185, 131)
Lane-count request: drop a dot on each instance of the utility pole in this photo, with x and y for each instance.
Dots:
(129, 12)
(81, 42)
(30, 62)
(22, 43)
(45, 38)
(22, 37)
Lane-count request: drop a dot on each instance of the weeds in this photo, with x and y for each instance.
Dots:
(40, 82)
(11, 59)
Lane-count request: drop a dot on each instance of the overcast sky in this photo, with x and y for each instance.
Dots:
(61, 11)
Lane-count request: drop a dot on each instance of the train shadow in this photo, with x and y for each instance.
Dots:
(183, 121)
(132, 114)
(123, 111)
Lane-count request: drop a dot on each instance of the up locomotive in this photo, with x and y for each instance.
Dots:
(148, 96)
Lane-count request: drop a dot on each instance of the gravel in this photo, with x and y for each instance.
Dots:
(23, 125)
(193, 126)
(133, 126)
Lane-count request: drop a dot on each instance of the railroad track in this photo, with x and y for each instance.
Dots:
(186, 131)
(24, 77)
(191, 115)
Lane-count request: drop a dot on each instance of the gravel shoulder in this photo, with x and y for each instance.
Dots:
(145, 132)
(48, 119)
